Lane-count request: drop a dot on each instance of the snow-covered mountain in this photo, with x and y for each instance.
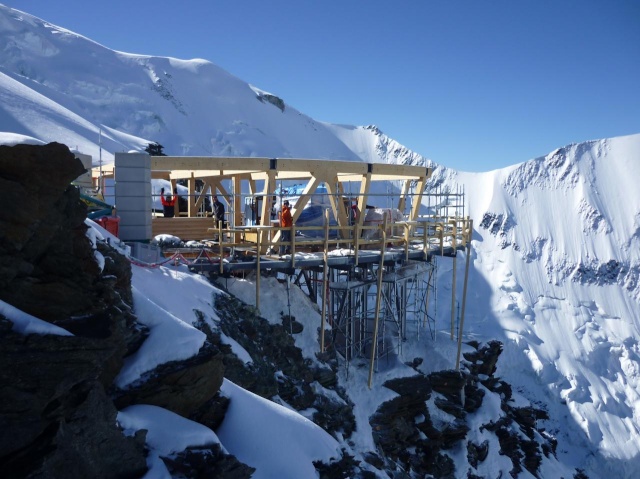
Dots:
(557, 262)
(57, 85)
(556, 250)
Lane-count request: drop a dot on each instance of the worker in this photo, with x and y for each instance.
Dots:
(286, 221)
(168, 204)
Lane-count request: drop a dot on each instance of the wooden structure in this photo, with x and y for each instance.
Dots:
(260, 176)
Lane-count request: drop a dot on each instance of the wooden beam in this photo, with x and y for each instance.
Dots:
(374, 342)
(363, 196)
(235, 206)
(191, 200)
(299, 168)
(402, 201)
(267, 195)
(417, 203)
(202, 195)
(208, 163)
(337, 205)
(303, 199)
(464, 297)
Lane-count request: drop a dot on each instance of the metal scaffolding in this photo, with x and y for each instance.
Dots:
(405, 290)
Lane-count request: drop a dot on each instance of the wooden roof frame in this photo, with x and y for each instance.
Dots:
(334, 173)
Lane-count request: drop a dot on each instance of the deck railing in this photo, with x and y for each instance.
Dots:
(424, 234)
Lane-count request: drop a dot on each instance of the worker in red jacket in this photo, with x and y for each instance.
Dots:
(168, 204)
(286, 221)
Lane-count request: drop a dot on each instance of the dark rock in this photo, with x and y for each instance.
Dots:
(510, 447)
(207, 462)
(580, 474)
(449, 407)
(527, 417)
(473, 397)
(443, 467)
(278, 368)
(290, 324)
(477, 453)
(53, 409)
(450, 384)
(418, 387)
(484, 359)
(398, 424)
(452, 433)
(179, 386)
(343, 468)
(211, 413)
(47, 265)
(415, 364)
(532, 456)
(326, 377)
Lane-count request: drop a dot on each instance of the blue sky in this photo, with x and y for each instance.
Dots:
(474, 85)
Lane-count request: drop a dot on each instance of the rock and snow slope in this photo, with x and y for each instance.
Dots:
(555, 276)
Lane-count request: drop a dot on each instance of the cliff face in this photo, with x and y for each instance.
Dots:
(57, 411)
(56, 417)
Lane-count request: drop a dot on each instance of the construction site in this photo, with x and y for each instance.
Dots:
(363, 241)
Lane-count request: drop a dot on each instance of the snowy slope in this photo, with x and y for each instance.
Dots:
(57, 85)
(555, 276)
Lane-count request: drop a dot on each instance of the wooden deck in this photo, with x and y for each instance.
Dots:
(185, 228)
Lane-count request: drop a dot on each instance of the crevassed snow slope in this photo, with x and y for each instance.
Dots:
(555, 275)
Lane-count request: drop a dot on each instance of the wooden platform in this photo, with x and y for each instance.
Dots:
(196, 228)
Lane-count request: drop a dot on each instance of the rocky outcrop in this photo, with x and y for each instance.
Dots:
(273, 350)
(47, 266)
(416, 438)
(56, 418)
(278, 371)
(57, 411)
(180, 386)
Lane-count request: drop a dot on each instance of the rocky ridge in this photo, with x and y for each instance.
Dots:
(58, 404)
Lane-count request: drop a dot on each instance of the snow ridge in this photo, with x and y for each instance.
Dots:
(557, 249)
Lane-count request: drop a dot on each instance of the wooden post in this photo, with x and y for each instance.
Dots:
(453, 285)
(406, 242)
(258, 239)
(235, 216)
(191, 199)
(374, 343)
(453, 300)
(464, 294)
(325, 268)
(176, 206)
(426, 300)
(425, 239)
(292, 239)
(220, 245)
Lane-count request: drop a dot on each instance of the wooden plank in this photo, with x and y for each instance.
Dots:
(184, 228)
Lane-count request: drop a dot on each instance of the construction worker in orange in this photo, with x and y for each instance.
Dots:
(285, 222)
(168, 204)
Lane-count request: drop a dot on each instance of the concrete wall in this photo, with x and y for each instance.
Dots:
(133, 195)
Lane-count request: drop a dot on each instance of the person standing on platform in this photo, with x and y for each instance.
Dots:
(218, 212)
(168, 204)
(286, 221)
